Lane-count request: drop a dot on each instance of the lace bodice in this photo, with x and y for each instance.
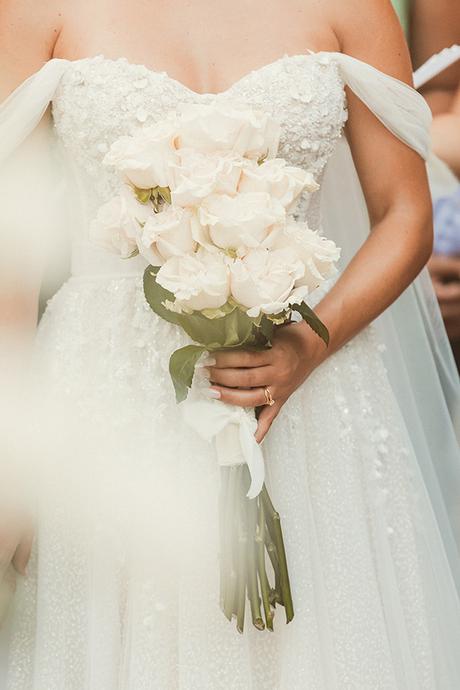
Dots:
(99, 99)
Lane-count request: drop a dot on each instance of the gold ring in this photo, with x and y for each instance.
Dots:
(268, 397)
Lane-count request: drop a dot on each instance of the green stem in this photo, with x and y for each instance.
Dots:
(264, 584)
(253, 583)
(271, 550)
(241, 549)
(274, 521)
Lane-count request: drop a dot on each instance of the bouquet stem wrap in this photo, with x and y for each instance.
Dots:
(232, 428)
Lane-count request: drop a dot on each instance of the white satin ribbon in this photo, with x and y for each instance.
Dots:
(233, 429)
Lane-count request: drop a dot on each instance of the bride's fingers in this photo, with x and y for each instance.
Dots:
(234, 359)
(22, 554)
(256, 377)
(265, 421)
(253, 397)
(8, 542)
(9, 579)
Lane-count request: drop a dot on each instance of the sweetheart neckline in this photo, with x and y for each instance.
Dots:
(209, 94)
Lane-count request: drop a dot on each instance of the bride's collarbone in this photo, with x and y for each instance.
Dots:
(208, 62)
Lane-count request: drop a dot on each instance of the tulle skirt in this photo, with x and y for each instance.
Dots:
(123, 587)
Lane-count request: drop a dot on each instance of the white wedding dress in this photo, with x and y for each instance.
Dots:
(128, 599)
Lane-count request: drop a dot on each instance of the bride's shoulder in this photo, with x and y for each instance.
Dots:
(373, 10)
(28, 32)
(17, 15)
(371, 31)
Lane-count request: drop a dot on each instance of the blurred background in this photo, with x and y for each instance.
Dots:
(430, 26)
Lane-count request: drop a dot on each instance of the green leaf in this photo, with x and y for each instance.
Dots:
(165, 194)
(182, 368)
(261, 160)
(156, 295)
(278, 319)
(313, 321)
(233, 329)
(142, 195)
(267, 328)
(134, 253)
(219, 312)
(239, 329)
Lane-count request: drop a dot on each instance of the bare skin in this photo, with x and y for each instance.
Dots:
(208, 46)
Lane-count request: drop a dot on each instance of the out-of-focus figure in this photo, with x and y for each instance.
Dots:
(430, 27)
(443, 95)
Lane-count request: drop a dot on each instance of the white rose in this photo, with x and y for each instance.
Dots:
(167, 234)
(275, 177)
(240, 222)
(264, 281)
(198, 175)
(198, 281)
(221, 127)
(145, 158)
(116, 227)
(318, 254)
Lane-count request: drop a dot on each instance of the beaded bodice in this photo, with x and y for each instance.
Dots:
(99, 99)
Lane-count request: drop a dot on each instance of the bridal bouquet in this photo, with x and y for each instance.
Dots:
(209, 205)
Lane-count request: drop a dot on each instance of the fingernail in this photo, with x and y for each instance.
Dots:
(209, 362)
(212, 393)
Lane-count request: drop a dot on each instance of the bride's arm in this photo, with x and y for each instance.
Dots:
(28, 30)
(395, 186)
(396, 191)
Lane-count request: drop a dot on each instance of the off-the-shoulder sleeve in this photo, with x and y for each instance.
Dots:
(23, 109)
(34, 180)
(396, 104)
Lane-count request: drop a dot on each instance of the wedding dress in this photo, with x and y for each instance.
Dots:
(362, 462)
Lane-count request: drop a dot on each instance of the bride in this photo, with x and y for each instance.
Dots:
(121, 588)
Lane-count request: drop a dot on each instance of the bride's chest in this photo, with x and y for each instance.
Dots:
(100, 100)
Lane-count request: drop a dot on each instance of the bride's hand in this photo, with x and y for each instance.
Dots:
(15, 546)
(240, 377)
